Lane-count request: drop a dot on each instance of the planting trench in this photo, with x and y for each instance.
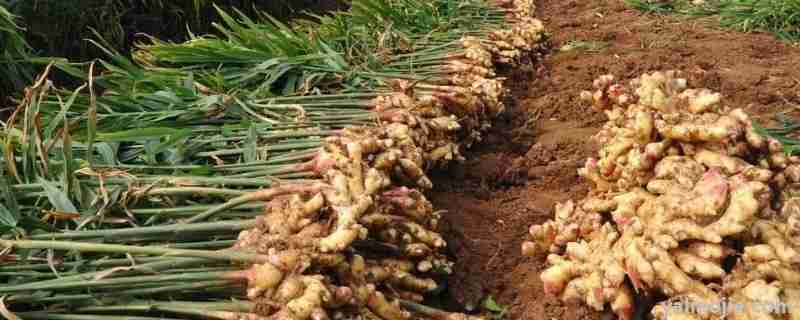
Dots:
(529, 161)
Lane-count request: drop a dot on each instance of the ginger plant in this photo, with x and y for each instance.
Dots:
(359, 240)
(680, 179)
(365, 207)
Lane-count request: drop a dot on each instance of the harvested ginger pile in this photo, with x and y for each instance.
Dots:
(689, 202)
(363, 242)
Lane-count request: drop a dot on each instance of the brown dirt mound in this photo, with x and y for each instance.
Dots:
(529, 160)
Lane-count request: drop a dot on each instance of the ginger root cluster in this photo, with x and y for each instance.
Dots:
(689, 202)
(363, 238)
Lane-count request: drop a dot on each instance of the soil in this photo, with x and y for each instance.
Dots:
(528, 161)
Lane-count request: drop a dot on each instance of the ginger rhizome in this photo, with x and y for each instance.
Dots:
(364, 238)
(680, 183)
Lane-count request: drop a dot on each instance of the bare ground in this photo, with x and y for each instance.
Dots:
(530, 158)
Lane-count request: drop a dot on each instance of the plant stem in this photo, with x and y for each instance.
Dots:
(311, 143)
(188, 191)
(237, 306)
(149, 268)
(137, 280)
(204, 245)
(46, 315)
(92, 263)
(261, 195)
(429, 312)
(179, 211)
(145, 167)
(174, 229)
(190, 310)
(321, 97)
(206, 286)
(227, 255)
(282, 159)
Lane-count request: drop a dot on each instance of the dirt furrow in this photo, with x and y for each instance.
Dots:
(530, 159)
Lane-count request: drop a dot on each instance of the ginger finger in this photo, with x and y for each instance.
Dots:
(723, 128)
(709, 251)
(729, 165)
(770, 234)
(424, 235)
(289, 289)
(313, 297)
(682, 169)
(347, 227)
(697, 266)
(744, 205)
(415, 173)
(759, 253)
(262, 278)
(386, 310)
(664, 186)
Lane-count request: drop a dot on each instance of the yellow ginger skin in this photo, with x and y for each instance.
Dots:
(774, 235)
(590, 274)
(679, 179)
(569, 224)
(762, 290)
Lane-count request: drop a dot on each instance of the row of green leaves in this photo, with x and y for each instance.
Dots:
(780, 17)
(260, 99)
(180, 128)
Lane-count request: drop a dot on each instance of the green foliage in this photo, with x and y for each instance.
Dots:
(780, 17)
(496, 311)
(178, 130)
(15, 74)
(349, 49)
(59, 28)
(229, 112)
(785, 132)
(587, 46)
(652, 6)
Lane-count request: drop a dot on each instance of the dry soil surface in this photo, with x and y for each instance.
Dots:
(529, 160)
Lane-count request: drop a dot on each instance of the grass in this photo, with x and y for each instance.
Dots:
(652, 6)
(585, 46)
(779, 17)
